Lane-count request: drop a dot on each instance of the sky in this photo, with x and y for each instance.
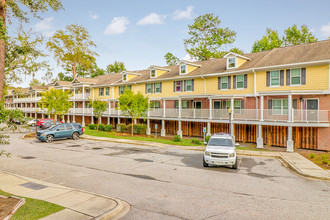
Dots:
(140, 33)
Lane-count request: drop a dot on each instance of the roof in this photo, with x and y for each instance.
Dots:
(34, 87)
(86, 80)
(107, 79)
(63, 83)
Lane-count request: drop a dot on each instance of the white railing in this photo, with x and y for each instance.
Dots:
(157, 112)
(310, 116)
(30, 99)
(275, 115)
(80, 96)
(171, 113)
(246, 114)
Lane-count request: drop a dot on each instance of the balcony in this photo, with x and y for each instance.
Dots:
(24, 100)
(79, 96)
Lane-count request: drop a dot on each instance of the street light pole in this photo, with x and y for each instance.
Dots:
(36, 121)
(230, 111)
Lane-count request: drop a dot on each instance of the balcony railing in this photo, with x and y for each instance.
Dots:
(80, 96)
(23, 100)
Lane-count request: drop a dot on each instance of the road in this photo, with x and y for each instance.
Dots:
(169, 183)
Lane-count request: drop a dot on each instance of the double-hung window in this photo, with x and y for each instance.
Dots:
(121, 89)
(124, 77)
(224, 82)
(153, 73)
(101, 91)
(189, 85)
(275, 78)
(279, 106)
(184, 104)
(295, 76)
(183, 69)
(240, 81)
(155, 104)
(149, 88)
(107, 91)
(231, 62)
(157, 88)
(178, 86)
(237, 106)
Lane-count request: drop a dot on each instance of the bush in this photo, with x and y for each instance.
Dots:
(121, 127)
(101, 127)
(108, 127)
(311, 155)
(177, 138)
(324, 159)
(207, 138)
(196, 141)
(137, 129)
(92, 126)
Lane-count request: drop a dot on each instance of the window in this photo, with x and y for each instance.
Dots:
(231, 62)
(153, 73)
(149, 88)
(184, 104)
(237, 106)
(107, 91)
(295, 76)
(240, 81)
(87, 105)
(275, 78)
(76, 91)
(279, 106)
(61, 128)
(183, 69)
(189, 85)
(155, 104)
(224, 82)
(157, 87)
(76, 105)
(124, 77)
(217, 104)
(87, 90)
(101, 91)
(121, 89)
(68, 127)
(178, 86)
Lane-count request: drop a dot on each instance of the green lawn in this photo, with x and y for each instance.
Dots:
(34, 209)
(183, 142)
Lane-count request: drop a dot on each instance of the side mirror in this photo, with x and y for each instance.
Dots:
(236, 144)
(205, 143)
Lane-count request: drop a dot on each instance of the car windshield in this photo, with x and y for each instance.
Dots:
(220, 142)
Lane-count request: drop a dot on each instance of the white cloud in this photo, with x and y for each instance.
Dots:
(118, 25)
(187, 57)
(153, 18)
(187, 14)
(45, 26)
(93, 16)
(325, 30)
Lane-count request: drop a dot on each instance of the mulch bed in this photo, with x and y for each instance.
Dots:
(9, 205)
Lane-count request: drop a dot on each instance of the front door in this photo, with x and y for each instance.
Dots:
(197, 109)
(312, 107)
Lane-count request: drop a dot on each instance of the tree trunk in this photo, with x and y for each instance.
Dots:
(2, 50)
(132, 127)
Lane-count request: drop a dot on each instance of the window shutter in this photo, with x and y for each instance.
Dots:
(119, 90)
(160, 87)
(184, 85)
(245, 81)
(192, 85)
(219, 83)
(181, 85)
(282, 77)
(187, 104)
(242, 104)
(270, 104)
(173, 86)
(234, 82)
(152, 88)
(175, 104)
(303, 76)
(130, 87)
(146, 89)
(288, 79)
(229, 82)
(99, 91)
(268, 78)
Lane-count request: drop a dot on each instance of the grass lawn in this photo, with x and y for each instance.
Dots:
(316, 157)
(34, 209)
(183, 142)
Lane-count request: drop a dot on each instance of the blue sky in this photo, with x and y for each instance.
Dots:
(140, 33)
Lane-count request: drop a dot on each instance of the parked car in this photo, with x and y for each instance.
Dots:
(41, 121)
(49, 123)
(220, 150)
(32, 122)
(62, 131)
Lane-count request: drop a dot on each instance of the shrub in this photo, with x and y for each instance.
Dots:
(92, 126)
(311, 155)
(324, 159)
(137, 129)
(108, 127)
(207, 138)
(177, 138)
(196, 141)
(121, 127)
(101, 127)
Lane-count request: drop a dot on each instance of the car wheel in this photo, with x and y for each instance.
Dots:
(75, 136)
(49, 138)
(235, 165)
(204, 163)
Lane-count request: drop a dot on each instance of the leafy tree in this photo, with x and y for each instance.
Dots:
(99, 107)
(171, 60)
(269, 41)
(19, 9)
(36, 82)
(96, 71)
(133, 105)
(207, 38)
(64, 77)
(294, 36)
(116, 67)
(72, 49)
(56, 101)
(48, 78)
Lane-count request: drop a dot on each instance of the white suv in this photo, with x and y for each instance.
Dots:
(220, 150)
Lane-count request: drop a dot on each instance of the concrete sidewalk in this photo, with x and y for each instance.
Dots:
(294, 161)
(78, 204)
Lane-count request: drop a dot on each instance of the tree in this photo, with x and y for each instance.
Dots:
(171, 60)
(56, 101)
(133, 105)
(36, 82)
(269, 41)
(294, 36)
(72, 49)
(64, 77)
(116, 67)
(99, 107)
(19, 9)
(207, 38)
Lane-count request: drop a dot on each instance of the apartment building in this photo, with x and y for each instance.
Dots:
(279, 97)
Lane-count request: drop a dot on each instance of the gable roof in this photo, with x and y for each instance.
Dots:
(62, 83)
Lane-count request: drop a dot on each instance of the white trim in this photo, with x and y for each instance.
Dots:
(236, 55)
(237, 81)
(291, 77)
(153, 77)
(279, 79)
(318, 103)
(158, 68)
(186, 72)
(189, 63)
(228, 68)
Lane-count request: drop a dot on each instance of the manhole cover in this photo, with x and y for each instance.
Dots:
(28, 157)
(75, 145)
(97, 148)
(34, 186)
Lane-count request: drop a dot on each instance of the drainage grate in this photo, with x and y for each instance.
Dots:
(34, 186)
(28, 157)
